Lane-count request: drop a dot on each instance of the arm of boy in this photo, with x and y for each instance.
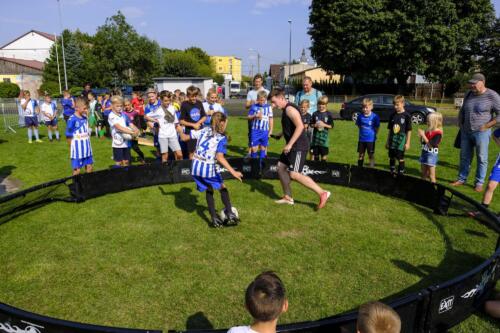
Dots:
(271, 125)
(222, 160)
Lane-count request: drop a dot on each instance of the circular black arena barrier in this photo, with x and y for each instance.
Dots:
(435, 308)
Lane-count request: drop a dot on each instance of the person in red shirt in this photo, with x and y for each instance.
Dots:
(138, 105)
(133, 116)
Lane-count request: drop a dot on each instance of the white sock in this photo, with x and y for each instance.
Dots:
(57, 134)
(36, 134)
(30, 133)
(50, 135)
(96, 132)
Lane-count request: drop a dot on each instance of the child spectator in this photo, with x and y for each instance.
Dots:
(167, 121)
(431, 138)
(106, 110)
(78, 137)
(138, 104)
(95, 115)
(369, 124)
(376, 317)
(398, 140)
(49, 113)
(494, 177)
(153, 104)
(261, 115)
(133, 117)
(192, 117)
(265, 300)
(306, 120)
(30, 112)
(322, 121)
(209, 150)
(211, 106)
(119, 125)
(68, 105)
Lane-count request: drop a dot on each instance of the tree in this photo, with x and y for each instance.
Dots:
(9, 90)
(489, 63)
(387, 39)
(179, 63)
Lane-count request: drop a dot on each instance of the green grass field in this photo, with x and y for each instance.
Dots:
(146, 258)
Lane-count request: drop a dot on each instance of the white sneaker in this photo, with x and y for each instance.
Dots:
(284, 201)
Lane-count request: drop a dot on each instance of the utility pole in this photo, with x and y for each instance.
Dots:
(258, 62)
(58, 70)
(62, 42)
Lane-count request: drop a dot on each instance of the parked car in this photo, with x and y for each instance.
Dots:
(383, 107)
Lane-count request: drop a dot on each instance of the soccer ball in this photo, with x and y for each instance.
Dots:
(126, 136)
(224, 217)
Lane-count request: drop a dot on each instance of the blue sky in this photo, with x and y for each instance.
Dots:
(221, 27)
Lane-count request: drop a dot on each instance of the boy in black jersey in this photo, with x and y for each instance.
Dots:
(192, 116)
(398, 140)
(293, 157)
(306, 120)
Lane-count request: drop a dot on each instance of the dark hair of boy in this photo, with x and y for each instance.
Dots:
(265, 297)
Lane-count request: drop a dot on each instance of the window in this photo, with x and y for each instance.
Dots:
(220, 68)
(6, 80)
(388, 100)
(220, 60)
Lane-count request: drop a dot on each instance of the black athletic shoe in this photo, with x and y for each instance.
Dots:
(231, 220)
(217, 222)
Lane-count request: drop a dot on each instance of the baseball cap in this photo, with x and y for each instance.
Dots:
(477, 77)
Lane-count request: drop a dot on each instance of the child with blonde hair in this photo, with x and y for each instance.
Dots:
(376, 317)
(431, 138)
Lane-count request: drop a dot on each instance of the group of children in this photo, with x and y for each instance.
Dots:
(265, 300)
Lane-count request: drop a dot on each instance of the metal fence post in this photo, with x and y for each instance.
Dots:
(7, 127)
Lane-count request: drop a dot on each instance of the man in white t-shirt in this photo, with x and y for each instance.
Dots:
(49, 116)
(251, 100)
(167, 121)
(122, 131)
(30, 113)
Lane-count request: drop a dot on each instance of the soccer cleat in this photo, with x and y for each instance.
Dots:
(217, 222)
(29, 141)
(38, 141)
(284, 201)
(323, 198)
(232, 220)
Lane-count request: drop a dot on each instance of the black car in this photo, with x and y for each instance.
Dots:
(383, 107)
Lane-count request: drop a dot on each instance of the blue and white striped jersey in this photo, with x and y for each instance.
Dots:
(208, 146)
(78, 130)
(267, 113)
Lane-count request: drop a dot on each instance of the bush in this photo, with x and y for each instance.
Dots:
(9, 90)
(51, 87)
(75, 91)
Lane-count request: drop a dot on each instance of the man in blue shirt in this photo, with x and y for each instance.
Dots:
(368, 123)
(309, 93)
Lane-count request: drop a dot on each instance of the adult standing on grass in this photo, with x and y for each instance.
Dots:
(312, 95)
(480, 111)
(293, 157)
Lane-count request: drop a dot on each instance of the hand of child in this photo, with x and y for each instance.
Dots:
(238, 175)
(407, 146)
(421, 133)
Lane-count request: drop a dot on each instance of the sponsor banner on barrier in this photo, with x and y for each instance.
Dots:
(453, 302)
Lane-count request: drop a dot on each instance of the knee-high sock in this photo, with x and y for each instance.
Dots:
(224, 195)
(57, 134)
(401, 167)
(253, 154)
(360, 162)
(392, 164)
(30, 133)
(211, 203)
(262, 153)
(50, 134)
(36, 134)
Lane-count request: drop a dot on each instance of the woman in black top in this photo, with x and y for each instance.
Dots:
(293, 157)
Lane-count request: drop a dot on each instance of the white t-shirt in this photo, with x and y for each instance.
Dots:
(241, 329)
(252, 94)
(117, 119)
(216, 107)
(47, 108)
(167, 129)
(30, 110)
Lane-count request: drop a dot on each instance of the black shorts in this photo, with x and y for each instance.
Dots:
(366, 146)
(397, 154)
(319, 150)
(121, 154)
(295, 160)
(191, 145)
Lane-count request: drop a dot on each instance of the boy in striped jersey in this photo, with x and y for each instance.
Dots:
(78, 137)
(210, 149)
(31, 110)
(261, 115)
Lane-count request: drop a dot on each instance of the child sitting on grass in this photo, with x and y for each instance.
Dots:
(265, 300)
(322, 121)
(431, 138)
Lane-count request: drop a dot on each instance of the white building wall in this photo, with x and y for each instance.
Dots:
(170, 85)
(30, 47)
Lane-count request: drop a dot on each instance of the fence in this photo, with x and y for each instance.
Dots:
(434, 308)
(12, 113)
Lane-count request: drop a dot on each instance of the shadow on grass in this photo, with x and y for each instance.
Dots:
(185, 200)
(453, 264)
(198, 321)
(3, 141)
(238, 150)
(5, 172)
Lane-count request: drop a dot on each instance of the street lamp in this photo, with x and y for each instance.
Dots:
(258, 58)
(290, 54)
(62, 43)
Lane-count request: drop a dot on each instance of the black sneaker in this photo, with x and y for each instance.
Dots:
(217, 222)
(232, 220)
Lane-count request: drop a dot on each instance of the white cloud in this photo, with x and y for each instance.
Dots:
(132, 12)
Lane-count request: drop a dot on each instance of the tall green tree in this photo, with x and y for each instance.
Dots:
(394, 38)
